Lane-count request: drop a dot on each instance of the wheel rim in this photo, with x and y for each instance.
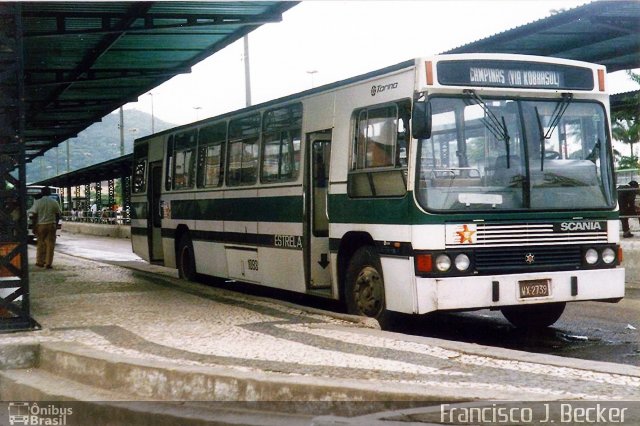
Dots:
(368, 291)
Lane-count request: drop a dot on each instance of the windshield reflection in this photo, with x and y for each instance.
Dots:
(507, 154)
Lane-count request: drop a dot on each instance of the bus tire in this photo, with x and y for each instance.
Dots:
(186, 258)
(364, 286)
(534, 316)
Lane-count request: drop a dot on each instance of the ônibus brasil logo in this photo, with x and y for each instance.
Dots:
(28, 413)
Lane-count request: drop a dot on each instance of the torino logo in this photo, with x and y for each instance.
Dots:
(375, 89)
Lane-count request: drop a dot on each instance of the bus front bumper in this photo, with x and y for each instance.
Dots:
(475, 292)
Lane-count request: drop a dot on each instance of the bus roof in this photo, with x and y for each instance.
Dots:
(330, 86)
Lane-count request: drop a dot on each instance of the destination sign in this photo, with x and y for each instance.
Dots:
(514, 74)
(510, 77)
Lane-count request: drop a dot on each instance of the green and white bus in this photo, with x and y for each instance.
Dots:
(450, 183)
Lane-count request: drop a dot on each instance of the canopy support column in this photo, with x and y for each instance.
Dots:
(15, 311)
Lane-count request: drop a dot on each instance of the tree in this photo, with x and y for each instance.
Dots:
(626, 125)
(628, 163)
(627, 131)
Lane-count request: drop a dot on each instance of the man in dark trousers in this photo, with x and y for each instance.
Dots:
(627, 203)
(45, 214)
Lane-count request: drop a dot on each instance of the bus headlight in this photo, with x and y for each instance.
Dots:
(443, 263)
(608, 255)
(591, 256)
(462, 262)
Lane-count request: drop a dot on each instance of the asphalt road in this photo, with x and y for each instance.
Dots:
(587, 330)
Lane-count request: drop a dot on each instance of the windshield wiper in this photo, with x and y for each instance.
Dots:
(553, 179)
(507, 138)
(556, 116)
(497, 127)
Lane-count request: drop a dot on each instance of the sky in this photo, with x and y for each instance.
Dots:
(337, 40)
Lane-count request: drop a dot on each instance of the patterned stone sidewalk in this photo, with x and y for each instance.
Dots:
(152, 317)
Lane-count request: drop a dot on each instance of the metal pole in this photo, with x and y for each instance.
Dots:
(197, 110)
(153, 118)
(312, 73)
(121, 131)
(68, 158)
(247, 72)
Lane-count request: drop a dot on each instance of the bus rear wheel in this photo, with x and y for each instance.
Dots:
(364, 290)
(534, 316)
(186, 258)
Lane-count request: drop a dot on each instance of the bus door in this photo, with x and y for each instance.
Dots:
(317, 270)
(155, 213)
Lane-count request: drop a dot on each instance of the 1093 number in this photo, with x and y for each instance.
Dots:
(252, 264)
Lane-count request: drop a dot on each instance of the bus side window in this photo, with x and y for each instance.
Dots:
(212, 169)
(242, 168)
(168, 179)
(281, 143)
(139, 181)
(184, 160)
(211, 155)
(379, 151)
(402, 148)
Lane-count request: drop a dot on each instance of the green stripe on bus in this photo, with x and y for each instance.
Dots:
(288, 242)
(268, 209)
(343, 209)
(403, 211)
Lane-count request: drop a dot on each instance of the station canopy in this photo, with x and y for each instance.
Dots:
(602, 32)
(82, 60)
(114, 168)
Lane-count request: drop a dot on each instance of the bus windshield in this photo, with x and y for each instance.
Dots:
(515, 154)
(34, 192)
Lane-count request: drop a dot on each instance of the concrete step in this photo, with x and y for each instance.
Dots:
(34, 384)
(92, 405)
(134, 391)
(158, 380)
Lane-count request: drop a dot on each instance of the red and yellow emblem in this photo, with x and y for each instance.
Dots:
(465, 234)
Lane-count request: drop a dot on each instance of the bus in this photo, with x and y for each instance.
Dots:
(448, 183)
(19, 413)
(33, 193)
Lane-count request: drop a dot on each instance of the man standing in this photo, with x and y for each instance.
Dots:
(45, 214)
(627, 203)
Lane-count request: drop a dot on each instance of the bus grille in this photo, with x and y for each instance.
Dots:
(532, 234)
(539, 257)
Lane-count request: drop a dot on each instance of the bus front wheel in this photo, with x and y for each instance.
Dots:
(186, 258)
(534, 316)
(364, 290)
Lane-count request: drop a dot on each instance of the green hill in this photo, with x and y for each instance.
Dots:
(98, 143)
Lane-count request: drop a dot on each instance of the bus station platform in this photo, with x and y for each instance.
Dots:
(123, 330)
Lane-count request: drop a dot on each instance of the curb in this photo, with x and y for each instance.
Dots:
(166, 381)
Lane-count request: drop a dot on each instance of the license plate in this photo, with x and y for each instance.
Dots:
(534, 288)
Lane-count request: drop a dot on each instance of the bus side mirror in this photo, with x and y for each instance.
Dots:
(421, 120)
